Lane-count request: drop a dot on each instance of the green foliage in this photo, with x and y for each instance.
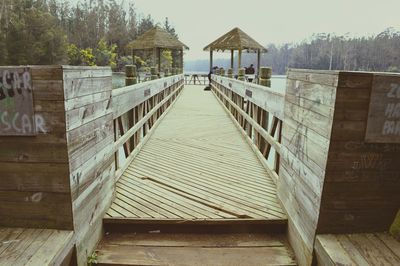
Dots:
(56, 31)
(395, 228)
(166, 59)
(92, 259)
(123, 61)
(169, 28)
(105, 55)
(30, 34)
(328, 51)
(74, 55)
(87, 57)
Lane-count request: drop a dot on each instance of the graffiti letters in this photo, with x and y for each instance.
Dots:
(16, 103)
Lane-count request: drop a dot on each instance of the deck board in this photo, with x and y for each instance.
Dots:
(194, 249)
(357, 249)
(25, 246)
(196, 165)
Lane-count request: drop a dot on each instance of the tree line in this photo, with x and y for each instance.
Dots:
(86, 33)
(380, 52)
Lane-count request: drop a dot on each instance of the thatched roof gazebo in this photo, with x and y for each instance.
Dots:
(158, 39)
(236, 39)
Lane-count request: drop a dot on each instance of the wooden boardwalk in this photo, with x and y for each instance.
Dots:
(196, 166)
(26, 246)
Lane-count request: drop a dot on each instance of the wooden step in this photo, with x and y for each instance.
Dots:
(194, 249)
(357, 249)
(34, 246)
(132, 225)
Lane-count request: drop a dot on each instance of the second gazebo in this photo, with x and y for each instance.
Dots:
(236, 39)
(158, 39)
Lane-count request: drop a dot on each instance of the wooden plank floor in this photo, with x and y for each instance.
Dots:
(194, 249)
(196, 166)
(24, 246)
(357, 249)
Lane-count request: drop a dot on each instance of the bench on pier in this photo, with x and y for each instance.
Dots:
(357, 249)
(25, 246)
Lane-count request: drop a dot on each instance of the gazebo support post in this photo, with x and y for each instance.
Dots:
(159, 60)
(211, 59)
(181, 55)
(232, 58)
(155, 57)
(239, 59)
(258, 64)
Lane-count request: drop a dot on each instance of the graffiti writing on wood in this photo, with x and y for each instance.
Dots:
(384, 111)
(16, 103)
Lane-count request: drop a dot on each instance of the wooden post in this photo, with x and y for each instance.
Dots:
(239, 59)
(265, 76)
(130, 75)
(241, 74)
(182, 60)
(258, 63)
(153, 71)
(211, 59)
(155, 57)
(133, 58)
(230, 73)
(159, 59)
(232, 58)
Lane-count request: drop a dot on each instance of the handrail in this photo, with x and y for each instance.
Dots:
(124, 138)
(250, 106)
(139, 108)
(268, 99)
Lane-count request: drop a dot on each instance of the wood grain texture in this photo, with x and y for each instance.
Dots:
(357, 249)
(196, 165)
(189, 249)
(34, 186)
(24, 246)
(309, 108)
(362, 179)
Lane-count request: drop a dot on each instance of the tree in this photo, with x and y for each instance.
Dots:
(87, 57)
(106, 55)
(145, 24)
(31, 34)
(74, 55)
(169, 28)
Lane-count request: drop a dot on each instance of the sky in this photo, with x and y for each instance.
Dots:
(198, 23)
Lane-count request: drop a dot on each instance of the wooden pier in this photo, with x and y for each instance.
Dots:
(159, 173)
(196, 166)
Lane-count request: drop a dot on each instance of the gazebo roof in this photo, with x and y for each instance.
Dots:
(236, 39)
(157, 38)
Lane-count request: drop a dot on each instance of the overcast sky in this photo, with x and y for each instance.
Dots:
(270, 21)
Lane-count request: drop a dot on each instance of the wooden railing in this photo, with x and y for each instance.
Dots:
(258, 112)
(196, 79)
(137, 110)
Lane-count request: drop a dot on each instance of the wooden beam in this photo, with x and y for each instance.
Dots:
(258, 63)
(239, 59)
(232, 58)
(125, 137)
(159, 60)
(266, 135)
(182, 60)
(121, 130)
(155, 57)
(211, 60)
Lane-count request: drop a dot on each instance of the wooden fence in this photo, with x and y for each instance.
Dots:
(137, 111)
(258, 112)
(65, 138)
